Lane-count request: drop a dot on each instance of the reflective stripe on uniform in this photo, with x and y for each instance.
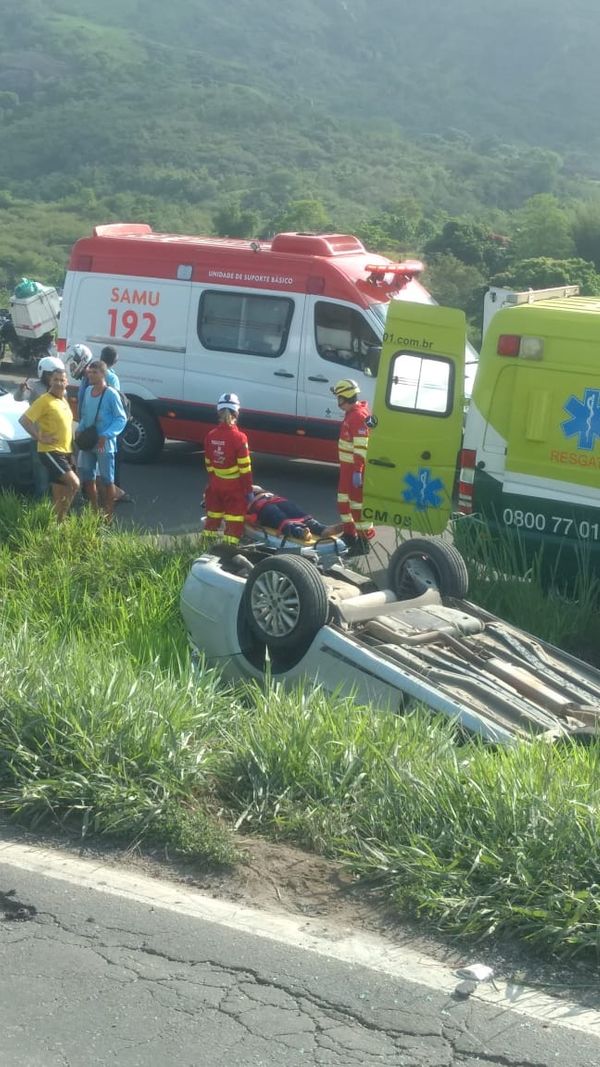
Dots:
(226, 475)
(233, 518)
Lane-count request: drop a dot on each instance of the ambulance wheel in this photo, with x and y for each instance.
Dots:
(143, 439)
(285, 603)
(427, 563)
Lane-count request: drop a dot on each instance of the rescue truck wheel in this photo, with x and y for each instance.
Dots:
(285, 603)
(143, 439)
(427, 563)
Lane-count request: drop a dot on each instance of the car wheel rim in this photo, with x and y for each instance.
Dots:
(134, 436)
(275, 604)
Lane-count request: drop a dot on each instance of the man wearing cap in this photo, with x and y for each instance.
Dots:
(227, 460)
(352, 454)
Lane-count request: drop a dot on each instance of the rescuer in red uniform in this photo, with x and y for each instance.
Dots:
(352, 454)
(227, 461)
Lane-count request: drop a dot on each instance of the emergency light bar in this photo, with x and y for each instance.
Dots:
(400, 273)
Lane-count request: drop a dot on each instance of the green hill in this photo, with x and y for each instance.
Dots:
(169, 112)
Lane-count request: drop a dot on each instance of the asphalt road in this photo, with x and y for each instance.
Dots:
(104, 967)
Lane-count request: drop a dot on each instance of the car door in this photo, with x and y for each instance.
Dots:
(339, 341)
(417, 418)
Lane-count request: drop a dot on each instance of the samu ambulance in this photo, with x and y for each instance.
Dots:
(530, 461)
(277, 322)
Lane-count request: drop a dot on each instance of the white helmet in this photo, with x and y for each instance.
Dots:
(78, 356)
(229, 402)
(49, 363)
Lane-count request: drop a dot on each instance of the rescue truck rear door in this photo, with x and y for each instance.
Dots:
(417, 418)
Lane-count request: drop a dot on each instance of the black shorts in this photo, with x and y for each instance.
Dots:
(57, 464)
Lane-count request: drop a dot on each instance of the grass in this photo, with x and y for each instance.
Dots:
(102, 729)
(503, 580)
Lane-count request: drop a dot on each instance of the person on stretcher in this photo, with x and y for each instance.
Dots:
(269, 511)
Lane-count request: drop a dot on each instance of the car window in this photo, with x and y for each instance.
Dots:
(344, 336)
(423, 384)
(242, 322)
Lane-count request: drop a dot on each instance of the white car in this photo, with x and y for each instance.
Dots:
(418, 642)
(16, 446)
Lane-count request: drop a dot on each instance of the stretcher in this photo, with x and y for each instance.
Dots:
(273, 539)
(324, 546)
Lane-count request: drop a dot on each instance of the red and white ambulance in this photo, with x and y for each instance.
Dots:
(277, 322)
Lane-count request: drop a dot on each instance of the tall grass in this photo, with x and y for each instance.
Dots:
(561, 608)
(100, 724)
(102, 728)
(480, 840)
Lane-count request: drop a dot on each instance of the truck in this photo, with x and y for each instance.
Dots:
(530, 462)
(277, 322)
(530, 451)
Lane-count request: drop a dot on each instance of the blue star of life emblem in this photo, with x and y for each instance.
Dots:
(584, 421)
(423, 490)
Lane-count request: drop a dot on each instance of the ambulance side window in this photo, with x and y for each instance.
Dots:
(343, 336)
(422, 384)
(244, 322)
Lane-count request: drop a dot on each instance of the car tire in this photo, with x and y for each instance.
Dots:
(285, 603)
(143, 439)
(427, 563)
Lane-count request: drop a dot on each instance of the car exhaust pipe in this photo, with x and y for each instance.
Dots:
(384, 602)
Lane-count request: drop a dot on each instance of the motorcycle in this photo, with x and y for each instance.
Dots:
(26, 351)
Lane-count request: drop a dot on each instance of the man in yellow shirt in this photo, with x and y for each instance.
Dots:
(49, 421)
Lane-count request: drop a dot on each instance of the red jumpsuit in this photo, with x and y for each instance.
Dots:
(352, 454)
(227, 461)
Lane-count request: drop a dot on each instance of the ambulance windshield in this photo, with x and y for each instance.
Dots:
(380, 311)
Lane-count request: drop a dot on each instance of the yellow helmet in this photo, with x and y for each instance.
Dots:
(346, 388)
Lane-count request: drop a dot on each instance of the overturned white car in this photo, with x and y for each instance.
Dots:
(418, 642)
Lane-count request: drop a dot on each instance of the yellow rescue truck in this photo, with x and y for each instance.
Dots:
(530, 459)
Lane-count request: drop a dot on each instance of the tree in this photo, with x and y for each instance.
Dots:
(543, 273)
(454, 283)
(231, 220)
(301, 216)
(542, 228)
(472, 243)
(585, 228)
